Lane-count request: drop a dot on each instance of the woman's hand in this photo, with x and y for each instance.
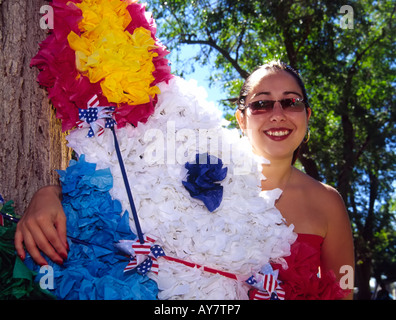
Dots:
(43, 227)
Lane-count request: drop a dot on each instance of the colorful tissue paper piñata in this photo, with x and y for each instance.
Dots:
(207, 228)
(236, 239)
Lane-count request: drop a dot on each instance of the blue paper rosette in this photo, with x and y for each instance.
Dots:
(203, 180)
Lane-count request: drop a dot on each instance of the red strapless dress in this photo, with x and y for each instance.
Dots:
(300, 280)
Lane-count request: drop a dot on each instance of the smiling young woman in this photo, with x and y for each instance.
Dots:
(273, 112)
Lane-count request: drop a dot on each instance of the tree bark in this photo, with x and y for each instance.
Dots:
(308, 163)
(363, 273)
(32, 145)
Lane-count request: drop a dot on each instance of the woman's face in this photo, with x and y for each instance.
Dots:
(276, 134)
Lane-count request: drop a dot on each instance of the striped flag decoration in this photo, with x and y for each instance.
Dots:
(259, 295)
(131, 265)
(270, 283)
(141, 248)
(145, 256)
(266, 284)
(154, 266)
(280, 293)
(93, 102)
(144, 248)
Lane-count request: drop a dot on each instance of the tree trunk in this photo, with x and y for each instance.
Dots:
(32, 145)
(308, 163)
(363, 275)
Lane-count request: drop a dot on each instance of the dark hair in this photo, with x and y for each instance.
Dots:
(254, 77)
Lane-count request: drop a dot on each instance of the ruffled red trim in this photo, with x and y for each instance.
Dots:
(300, 280)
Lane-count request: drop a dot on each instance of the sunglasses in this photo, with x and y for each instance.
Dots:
(288, 105)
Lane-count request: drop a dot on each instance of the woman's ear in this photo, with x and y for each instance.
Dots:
(240, 117)
(309, 112)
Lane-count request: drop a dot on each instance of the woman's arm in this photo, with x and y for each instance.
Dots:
(337, 248)
(43, 227)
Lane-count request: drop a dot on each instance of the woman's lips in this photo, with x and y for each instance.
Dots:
(278, 134)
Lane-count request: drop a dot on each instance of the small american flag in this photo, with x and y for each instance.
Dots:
(141, 248)
(93, 102)
(270, 283)
(148, 248)
(154, 266)
(145, 267)
(157, 251)
(252, 280)
(260, 295)
(280, 293)
(95, 117)
(131, 265)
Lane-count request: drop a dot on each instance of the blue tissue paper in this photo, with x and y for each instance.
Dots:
(94, 269)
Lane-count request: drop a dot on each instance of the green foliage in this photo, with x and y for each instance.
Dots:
(350, 80)
(16, 280)
(384, 253)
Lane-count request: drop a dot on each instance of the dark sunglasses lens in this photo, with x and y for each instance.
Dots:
(261, 106)
(295, 105)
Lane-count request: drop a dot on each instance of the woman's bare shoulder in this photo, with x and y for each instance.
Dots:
(318, 188)
(325, 198)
